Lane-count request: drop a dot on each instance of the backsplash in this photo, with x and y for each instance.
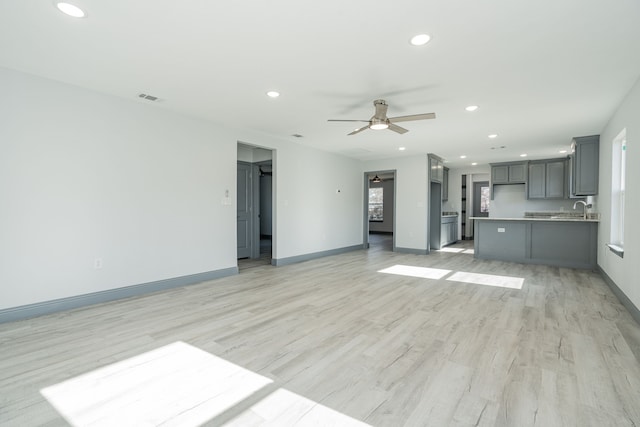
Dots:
(561, 214)
(510, 202)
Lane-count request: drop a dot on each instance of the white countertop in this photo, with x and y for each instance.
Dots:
(535, 219)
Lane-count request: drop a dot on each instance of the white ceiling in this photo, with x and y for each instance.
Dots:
(541, 71)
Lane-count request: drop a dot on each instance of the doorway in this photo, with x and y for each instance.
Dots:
(255, 213)
(481, 198)
(380, 210)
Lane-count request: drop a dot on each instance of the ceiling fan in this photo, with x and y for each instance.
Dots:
(380, 120)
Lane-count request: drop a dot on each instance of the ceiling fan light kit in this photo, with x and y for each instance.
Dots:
(377, 124)
(380, 121)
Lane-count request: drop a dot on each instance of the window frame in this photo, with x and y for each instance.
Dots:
(379, 205)
(618, 192)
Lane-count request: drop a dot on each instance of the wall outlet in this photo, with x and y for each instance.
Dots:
(97, 263)
(500, 230)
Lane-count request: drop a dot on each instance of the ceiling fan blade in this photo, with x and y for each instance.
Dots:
(412, 117)
(359, 130)
(381, 109)
(397, 128)
(338, 120)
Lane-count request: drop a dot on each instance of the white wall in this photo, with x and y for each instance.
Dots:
(319, 201)
(411, 198)
(623, 271)
(251, 154)
(510, 201)
(245, 153)
(85, 175)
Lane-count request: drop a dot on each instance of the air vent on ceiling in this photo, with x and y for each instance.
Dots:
(148, 97)
(499, 148)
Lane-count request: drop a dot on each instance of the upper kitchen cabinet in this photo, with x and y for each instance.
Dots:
(445, 184)
(584, 169)
(547, 179)
(436, 168)
(509, 173)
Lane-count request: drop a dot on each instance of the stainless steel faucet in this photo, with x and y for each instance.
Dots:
(586, 206)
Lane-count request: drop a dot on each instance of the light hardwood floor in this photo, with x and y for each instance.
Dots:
(335, 336)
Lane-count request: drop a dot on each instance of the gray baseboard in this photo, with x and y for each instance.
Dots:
(411, 251)
(622, 297)
(306, 257)
(53, 306)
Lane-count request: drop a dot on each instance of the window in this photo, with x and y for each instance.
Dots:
(376, 204)
(618, 172)
(485, 197)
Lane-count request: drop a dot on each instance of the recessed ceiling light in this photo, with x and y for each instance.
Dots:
(70, 9)
(493, 136)
(471, 108)
(562, 151)
(474, 164)
(273, 94)
(402, 148)
(463, 157)
(420, 39)
(523, 155)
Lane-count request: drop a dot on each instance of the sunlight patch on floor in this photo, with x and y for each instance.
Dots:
(285, 408)
(422, 272)
(469, 251)
(177, 384)
(181, 385)
(488, 280)
(452, 250)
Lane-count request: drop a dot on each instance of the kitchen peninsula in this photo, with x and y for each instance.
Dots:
(551, 238)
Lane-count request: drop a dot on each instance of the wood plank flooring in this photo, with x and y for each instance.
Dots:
(342, 344)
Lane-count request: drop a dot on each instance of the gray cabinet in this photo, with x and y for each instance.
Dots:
(585, 161)
(436, 168)
(560, 243)
(509, 173)
(556, 181)
(536, 187)
(448, 230)
(445, 184)
(500, 174)
(547, 179)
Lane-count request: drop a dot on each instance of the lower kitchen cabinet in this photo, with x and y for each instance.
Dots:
(558, 243)
(449, 230)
